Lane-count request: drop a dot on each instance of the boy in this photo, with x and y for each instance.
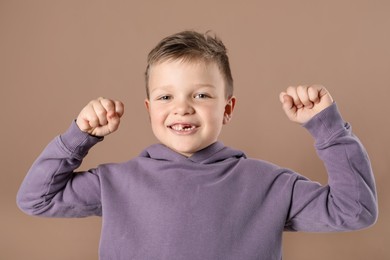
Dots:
(190, 197)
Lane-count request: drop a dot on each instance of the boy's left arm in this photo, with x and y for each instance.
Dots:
(349, 200)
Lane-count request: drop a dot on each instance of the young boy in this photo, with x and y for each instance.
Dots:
(191, 197)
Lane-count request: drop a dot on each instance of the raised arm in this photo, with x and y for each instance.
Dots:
(52, 187)
(349, 200)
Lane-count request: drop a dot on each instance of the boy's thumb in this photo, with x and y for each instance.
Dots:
(287, 104)
(113, 122)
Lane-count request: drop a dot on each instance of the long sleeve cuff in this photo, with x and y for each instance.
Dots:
(326, 124)
(78, 142)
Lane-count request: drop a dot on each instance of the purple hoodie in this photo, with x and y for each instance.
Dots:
(217, 204)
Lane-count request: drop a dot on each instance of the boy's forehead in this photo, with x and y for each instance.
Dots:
(199, 66)
(197, 72)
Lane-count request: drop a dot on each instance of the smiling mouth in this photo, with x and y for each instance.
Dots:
(182, 127)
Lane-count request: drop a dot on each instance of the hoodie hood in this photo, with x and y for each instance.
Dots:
(216, 152)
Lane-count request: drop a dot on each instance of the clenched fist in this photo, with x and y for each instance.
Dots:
(303, 102)
(100, 117)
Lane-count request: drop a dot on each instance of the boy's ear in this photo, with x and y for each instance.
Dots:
(147, 105)
(229, 107)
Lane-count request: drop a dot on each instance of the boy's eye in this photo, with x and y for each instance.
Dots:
(166, 97)
(201, 95)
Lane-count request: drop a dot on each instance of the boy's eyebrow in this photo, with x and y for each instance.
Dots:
(207, 85)
(160, 87)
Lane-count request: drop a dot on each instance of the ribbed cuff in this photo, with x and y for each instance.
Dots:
(78, 142)
(326, 124)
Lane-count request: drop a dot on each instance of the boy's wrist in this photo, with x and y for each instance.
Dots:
(78, 142)
(325, 124)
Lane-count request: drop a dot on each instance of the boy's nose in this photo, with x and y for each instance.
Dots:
(183, 108)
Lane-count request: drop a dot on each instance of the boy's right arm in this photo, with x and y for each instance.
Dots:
(51, 187)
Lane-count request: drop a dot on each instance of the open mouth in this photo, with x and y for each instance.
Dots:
(182, 127)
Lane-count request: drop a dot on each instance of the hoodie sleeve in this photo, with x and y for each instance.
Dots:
(349, 201)
(51, 188)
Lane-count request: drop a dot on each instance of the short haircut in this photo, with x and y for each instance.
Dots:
(192, 46)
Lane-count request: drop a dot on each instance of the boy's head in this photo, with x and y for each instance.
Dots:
(191, 46)
(189, 91)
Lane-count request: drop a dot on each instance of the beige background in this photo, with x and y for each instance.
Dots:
(57, 55)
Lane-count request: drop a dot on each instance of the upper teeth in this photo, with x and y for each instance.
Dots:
(182, 127)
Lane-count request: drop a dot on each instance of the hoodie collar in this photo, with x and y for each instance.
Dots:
(213, 153)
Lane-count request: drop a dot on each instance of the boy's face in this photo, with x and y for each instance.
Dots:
(187, 104)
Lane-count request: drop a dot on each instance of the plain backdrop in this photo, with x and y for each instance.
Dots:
(55, 56)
